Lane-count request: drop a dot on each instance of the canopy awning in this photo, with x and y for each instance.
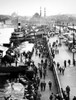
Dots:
(25, 47)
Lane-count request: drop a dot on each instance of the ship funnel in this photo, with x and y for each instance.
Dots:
(19, 26)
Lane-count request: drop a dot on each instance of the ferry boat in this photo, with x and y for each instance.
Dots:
(18, 35)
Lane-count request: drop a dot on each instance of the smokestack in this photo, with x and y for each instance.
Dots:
(19, 26)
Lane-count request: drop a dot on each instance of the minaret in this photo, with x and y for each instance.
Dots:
(44, 12)
(40, 12)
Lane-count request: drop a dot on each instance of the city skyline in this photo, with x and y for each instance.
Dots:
(30, 7)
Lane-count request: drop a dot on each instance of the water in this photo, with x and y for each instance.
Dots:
(5, 34)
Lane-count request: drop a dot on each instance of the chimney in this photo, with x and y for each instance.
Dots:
(19, 26)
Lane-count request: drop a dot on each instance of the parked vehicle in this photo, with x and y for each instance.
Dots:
(70, 46)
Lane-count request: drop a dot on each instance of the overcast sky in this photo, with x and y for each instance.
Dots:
(29, 7)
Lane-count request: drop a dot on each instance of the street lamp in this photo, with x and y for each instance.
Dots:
(73, 50)
(67, 27)
(60, 36)
(63, 26)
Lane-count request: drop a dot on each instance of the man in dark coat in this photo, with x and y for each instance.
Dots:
(68, 91)
(51, 96)
(44, 85)
(50, 85)
(65, 63)
(41, 85)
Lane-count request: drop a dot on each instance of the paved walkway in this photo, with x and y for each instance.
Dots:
(45, 94)
(64, 54)
(69, 77)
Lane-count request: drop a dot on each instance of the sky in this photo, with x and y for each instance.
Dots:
(30, 7)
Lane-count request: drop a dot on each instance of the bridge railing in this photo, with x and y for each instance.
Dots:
(55, 72)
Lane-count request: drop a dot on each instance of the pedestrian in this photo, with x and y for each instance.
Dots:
(44, 73)
(41, 61)
(67, 97)
(50, 85)
(68, 91)
(36, 52)
(63, 71)
(38, 96)
(44, 85)
(60, 69)
(40, 71)
(41, 85)
(63, 92)
(58, 65)
(51, 96)
(58, 97)
(65, 63)
(44, 66)
(74, 98)
(69, 62)
(53, 55)
(38, 81)
(39, 55)
(46, 61)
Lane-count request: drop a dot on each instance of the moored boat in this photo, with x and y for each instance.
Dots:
(18, 35)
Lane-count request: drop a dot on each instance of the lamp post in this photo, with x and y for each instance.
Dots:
(73, 45)
(60, 36)
(67, 26)
(63, 26)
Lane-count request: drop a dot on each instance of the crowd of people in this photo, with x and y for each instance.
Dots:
(42, 52)
(61, 69)
(38, 83)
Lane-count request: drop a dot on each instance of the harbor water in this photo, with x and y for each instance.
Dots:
(5, 34)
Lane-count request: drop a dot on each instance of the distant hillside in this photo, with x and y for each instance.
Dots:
(14, 18)
(4, 17)
(58, 19)
(70, 19)
(37, 19)
(17, 18)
